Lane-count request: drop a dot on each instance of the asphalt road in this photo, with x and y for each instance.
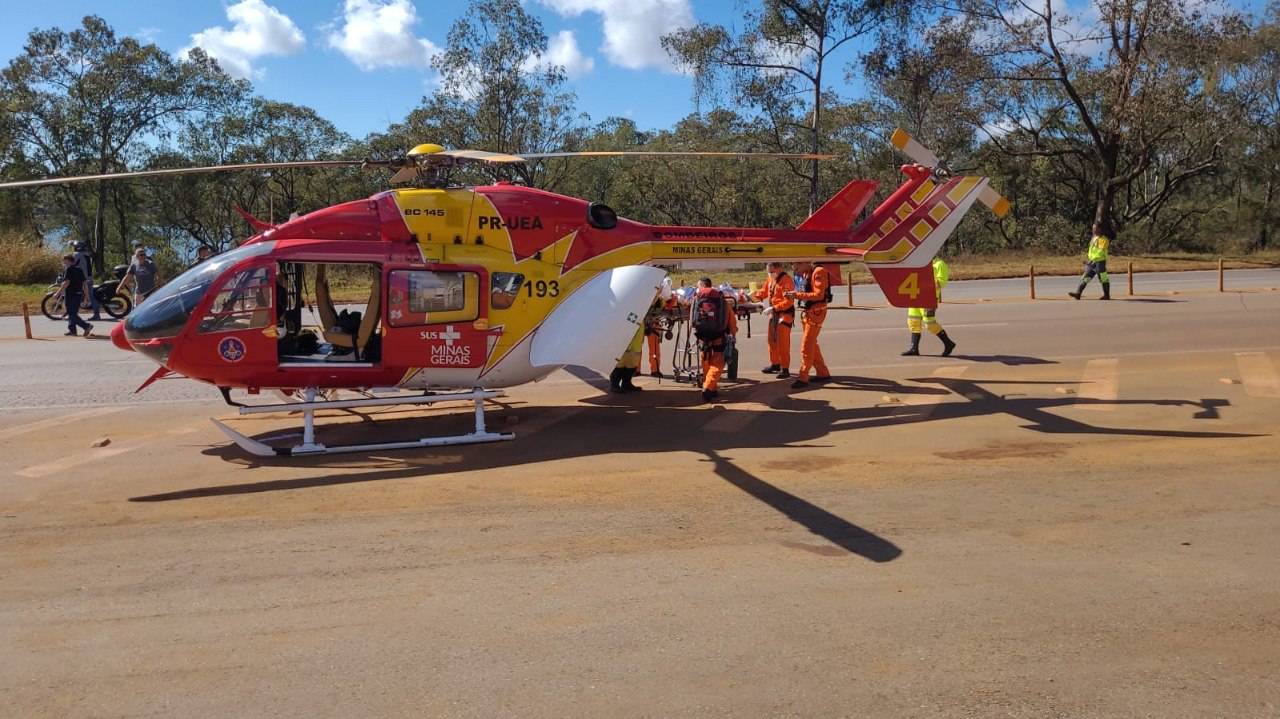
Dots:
(1074, 515)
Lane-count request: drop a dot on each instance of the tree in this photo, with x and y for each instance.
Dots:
(248, 130)
(84, 101)
(779, 62)
(1124, 98)
(497, 93)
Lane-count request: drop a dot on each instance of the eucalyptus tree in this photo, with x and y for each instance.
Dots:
(85, 101)
(780, 63)
(1122, 91)
(498, 93)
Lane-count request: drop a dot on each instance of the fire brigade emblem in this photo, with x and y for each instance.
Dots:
(231, 349)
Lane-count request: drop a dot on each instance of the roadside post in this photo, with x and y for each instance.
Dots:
(1220, 274)
(1033, 282)
(1130, 275)
(26, 319)
(849, 282)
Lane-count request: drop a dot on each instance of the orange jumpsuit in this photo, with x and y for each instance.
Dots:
(783, 317)
(814, 315)
(713, 357)
(653, 332)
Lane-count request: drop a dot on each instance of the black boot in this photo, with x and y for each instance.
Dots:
(914, 349)
(771, 369)
(1106, 290)
(947, 344)
(615, 380)
(1079, 291)
(627, 384)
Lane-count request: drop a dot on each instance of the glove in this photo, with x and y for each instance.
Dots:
(768, 310)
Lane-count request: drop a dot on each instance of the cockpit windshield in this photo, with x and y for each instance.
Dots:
(166, 312)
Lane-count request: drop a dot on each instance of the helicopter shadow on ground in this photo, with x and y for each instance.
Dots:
(1007, 360)
(661, 421)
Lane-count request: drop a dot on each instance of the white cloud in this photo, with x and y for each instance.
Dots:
(257, 29)
(148, 33)
(379, 33)
(563, 50)
(633, 29)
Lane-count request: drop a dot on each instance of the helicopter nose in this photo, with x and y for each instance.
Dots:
(118, 338)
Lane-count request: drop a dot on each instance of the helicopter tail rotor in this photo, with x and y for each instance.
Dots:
(924, 156)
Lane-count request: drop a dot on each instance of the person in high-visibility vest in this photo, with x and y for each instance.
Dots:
(917, 316)
(628, 365)
(813, 294)
(781, 312)
(1096, 264)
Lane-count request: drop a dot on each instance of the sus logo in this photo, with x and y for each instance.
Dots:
(444, 350)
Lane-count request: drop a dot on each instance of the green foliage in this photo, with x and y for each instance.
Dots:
(1155, 114)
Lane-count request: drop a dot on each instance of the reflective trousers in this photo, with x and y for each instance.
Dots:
(631, 357)
(918, 316)
(655, 352)
(712, 368)
(779, 343)
(810, 353)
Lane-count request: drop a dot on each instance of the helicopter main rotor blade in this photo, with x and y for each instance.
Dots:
(924, 156)
(915, 150)
(619, 153)
(190, 171)
(479, 155)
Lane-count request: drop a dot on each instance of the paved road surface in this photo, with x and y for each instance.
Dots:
(1073, 516)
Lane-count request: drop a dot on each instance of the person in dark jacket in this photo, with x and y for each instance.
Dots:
(72, 290)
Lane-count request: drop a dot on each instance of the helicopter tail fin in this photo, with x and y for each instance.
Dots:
(901, 260)
(841, 211)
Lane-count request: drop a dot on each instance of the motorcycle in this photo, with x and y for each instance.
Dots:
(110, 298)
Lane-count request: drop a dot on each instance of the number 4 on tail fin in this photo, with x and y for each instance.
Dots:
(907, 286)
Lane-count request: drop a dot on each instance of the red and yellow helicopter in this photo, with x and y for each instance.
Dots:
(474, 289)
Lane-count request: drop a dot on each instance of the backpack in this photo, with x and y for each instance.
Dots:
(710, 315)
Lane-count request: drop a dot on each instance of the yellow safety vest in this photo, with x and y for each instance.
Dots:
(1098, 248)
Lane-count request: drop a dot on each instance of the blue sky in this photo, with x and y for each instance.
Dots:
(362, 64)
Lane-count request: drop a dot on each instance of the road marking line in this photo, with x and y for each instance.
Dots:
(1258, 374)
(1100, 384)
(93, 455)
(54, 421)
(738, 415)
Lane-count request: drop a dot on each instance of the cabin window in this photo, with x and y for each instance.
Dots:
(420, 297)
(506, 288)
(244, 303)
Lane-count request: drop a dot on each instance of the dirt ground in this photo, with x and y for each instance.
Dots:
(1076, 515)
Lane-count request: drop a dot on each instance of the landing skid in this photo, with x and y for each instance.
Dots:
(308, 409)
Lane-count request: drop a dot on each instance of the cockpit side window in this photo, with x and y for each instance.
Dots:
(244, 303)
(506, 288)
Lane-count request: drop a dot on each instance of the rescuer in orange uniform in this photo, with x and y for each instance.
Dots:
(654, 330)
(781, 312)
(813, 295)
(714, 326)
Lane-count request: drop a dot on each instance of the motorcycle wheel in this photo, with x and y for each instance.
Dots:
(55, 308)
(118, 306)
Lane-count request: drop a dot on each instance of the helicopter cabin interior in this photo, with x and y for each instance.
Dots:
(332, 312)
(328, 312)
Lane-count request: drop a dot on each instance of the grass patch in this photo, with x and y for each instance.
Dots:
(12, 297)
(1005, 265)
